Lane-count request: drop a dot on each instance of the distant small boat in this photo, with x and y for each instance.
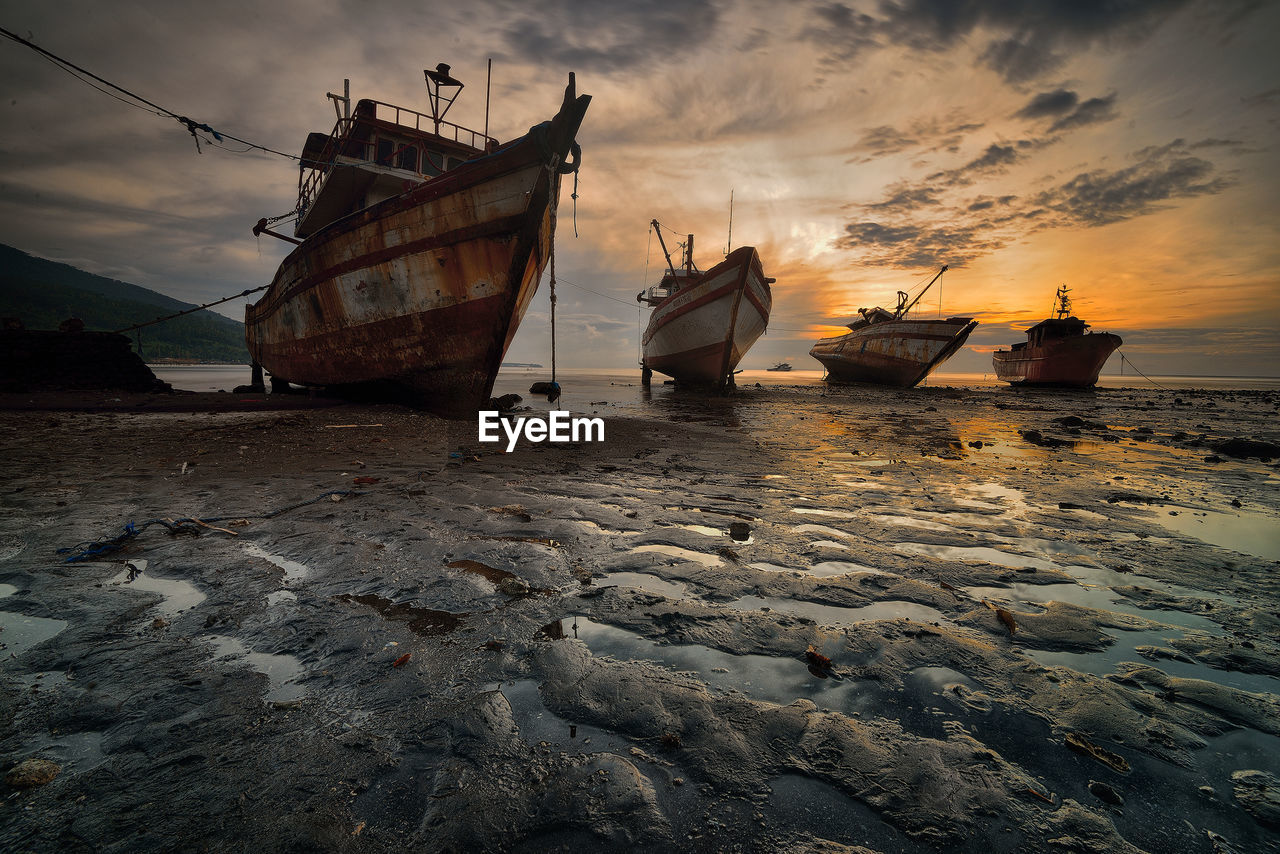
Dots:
(703, 323)
(1058, 352)
(888, 349)
(781, 366)
(420, 244)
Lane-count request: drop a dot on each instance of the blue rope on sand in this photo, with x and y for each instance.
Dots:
(90, 550)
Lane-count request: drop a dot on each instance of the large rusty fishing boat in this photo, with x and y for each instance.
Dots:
(420, 244)
(1058, 351)
(703, 323)
(887, 348)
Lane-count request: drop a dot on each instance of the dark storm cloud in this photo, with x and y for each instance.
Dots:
(918, 245)
(995, 160)
(1026, 39)
(1101, 197)
(1067, 110)
(1090, 112)
(842, 31)
(1057, 103)
(606, 37)
(1029, 37)
(906, 198)
(917, 223)
(931, 134)
(884, 140)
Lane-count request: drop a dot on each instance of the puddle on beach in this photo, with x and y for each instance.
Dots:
(294, 572)
(680, 554)
(18, 632)
(1247, 533)
(705, 530)
(1099, 597)
(283, 672)
(1107, 661)
(601, 529)
(761, 677)
(178, 595)
(974, 553)
(823, 529)
(841, 615)
(646, 582)
(834, 514)
(825, 569)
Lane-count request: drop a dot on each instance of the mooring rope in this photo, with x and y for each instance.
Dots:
(1124, 359)
(93, 549)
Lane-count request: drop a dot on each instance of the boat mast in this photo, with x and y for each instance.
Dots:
(435, 81)
(729, 246)
(1064, 302)
(688, 256)
(657, 229)
(901, 312)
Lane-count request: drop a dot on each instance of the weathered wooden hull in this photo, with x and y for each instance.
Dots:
(418, 297)
(1072, 362)
(895, 352)
(701, 333)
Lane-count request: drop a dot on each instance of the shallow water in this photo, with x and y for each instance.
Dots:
(294, 572)
(19, 632)
(1249, 533)
(644, 581)
(178, 595)
(283, 672)
(680, 554)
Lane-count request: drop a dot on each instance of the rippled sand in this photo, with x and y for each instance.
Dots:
(1050, 621)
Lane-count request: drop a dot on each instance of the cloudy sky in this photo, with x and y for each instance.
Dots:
(1125, 148)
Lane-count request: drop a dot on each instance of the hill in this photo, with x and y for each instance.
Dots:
(43, 293)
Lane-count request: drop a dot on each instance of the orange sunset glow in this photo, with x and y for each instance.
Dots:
(1123, 150)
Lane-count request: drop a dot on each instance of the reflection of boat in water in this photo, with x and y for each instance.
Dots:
(781, 366)
(703, 323)
(420, 246)
(1058, 351)
(889, 349)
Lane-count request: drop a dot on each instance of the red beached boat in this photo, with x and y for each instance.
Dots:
(420, 245)
(1057, 352)
(887, 349)
(703, 323)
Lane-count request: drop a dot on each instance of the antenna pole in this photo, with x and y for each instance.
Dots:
(487, 80)
(729, 247)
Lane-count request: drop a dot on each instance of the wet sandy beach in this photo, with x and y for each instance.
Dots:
(1050, 620)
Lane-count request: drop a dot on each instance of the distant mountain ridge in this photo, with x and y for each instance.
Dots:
(43, 293)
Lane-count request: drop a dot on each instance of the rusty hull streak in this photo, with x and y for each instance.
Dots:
(420, 295)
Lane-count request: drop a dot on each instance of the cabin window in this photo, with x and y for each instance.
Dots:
(386, 147)
(408, 158)
(432, 163)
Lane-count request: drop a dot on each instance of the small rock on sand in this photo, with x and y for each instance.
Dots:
(1259, 793)
(32, 772)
